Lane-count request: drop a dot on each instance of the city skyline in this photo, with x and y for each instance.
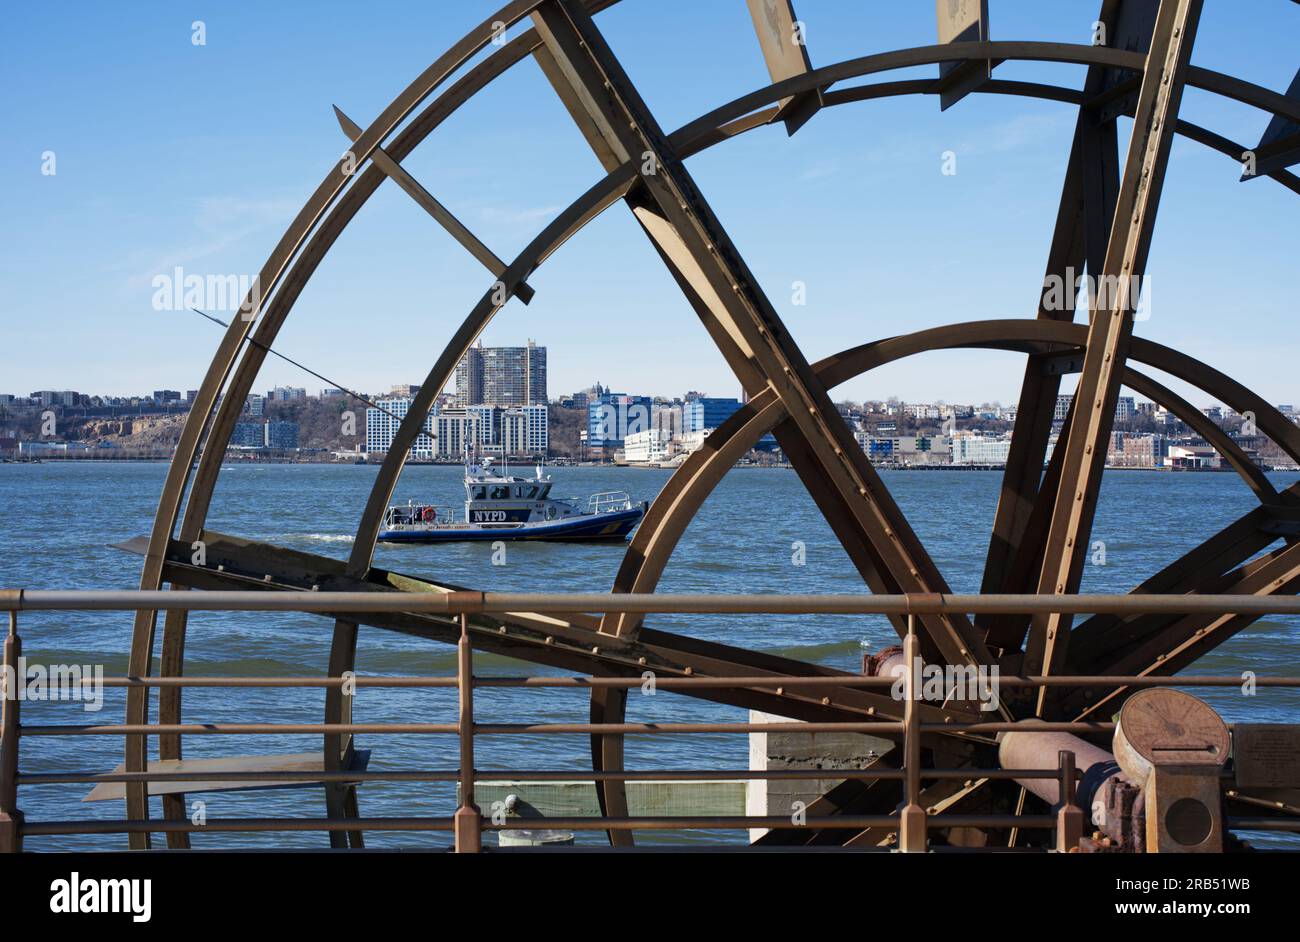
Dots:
(88, 242)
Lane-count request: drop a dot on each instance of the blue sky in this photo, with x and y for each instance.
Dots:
(170, 154)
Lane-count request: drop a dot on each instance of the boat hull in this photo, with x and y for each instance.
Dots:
(584, 528)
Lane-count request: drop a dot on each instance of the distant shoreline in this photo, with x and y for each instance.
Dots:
(643, 467)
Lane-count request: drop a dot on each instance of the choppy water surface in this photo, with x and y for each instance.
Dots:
(57, 521)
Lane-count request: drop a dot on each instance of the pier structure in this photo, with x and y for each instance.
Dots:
(1041, 535)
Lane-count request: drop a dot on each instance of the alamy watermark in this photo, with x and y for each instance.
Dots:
(1104, 292)
(946, 683)
(83, 683)
(178, 291)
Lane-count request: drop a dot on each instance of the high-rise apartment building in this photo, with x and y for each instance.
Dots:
(510, 377)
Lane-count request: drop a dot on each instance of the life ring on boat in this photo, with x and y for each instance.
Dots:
(428, 514)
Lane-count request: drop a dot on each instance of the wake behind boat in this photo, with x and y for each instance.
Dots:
(499, 506)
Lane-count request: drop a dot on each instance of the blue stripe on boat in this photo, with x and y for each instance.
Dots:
(607, 526)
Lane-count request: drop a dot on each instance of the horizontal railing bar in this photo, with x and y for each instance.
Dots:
(517, 729)
(854, 680)
(649, 603)
(167, 826)
(670, 683)
(237, 729)
(356, 680)
(260, 775)
(647, 823)
(520, 775)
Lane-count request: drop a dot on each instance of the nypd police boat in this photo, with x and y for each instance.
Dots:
(500, 506)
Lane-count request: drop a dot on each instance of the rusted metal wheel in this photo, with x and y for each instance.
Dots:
(1105, 222)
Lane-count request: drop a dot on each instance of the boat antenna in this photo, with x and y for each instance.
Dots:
(307, 369)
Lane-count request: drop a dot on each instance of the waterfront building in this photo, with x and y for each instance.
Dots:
(456, 431)
(255, 405)
(649, 446)
(1062, 408)
(668, 417)
(524, 431)
(502, 376)
(611, 417)
(247, 435)
(1191, 457)
(972, 448)
(381, 426)
(282, 435)
(405, 391)
(286, 394)
(707, 412)
(1129, 450)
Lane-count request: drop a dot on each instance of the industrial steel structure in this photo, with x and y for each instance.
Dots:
(1104, 224)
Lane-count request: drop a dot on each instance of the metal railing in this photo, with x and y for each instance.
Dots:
(911, 824)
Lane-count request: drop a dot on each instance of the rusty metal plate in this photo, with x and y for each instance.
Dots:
(1266, 755)
(1132, 33)
(1169, 727)
(962, 21)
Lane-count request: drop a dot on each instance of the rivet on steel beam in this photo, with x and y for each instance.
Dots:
(826, 701)
(780, 691)
(595, 649)
(641, 661)
(689, 671)
(550, 639)
(315, 586)
(267, 577)
(501, 630)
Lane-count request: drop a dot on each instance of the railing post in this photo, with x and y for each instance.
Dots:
(468, 821)
(1069, 816)
(11, 819)
(911, 820)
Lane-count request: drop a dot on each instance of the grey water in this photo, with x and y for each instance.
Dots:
(57, 521)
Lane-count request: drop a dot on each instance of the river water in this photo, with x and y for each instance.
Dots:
(57, 521)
